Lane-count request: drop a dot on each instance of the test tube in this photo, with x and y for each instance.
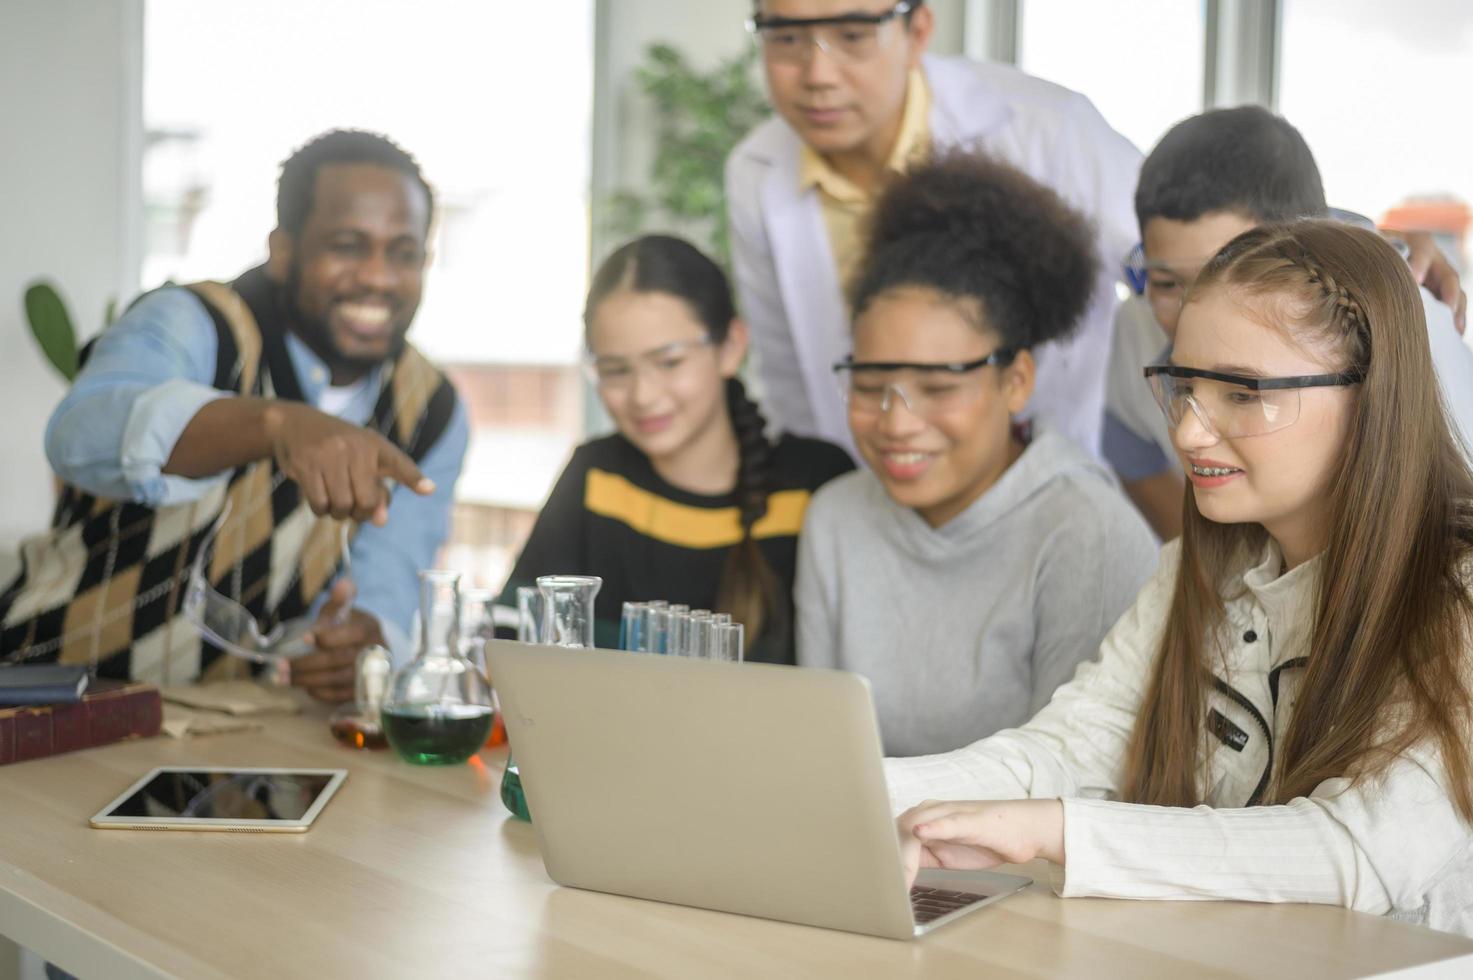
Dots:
(698, 645)
(657, 627)
(727, 642)
(631, 625)
(676, 629)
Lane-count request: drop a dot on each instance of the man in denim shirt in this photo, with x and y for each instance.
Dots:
(285, 406)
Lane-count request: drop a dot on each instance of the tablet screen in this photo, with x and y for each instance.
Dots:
(223, 795)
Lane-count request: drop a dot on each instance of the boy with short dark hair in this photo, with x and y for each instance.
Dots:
(1211, 178)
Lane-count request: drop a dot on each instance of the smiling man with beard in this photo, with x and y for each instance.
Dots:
(280, 421)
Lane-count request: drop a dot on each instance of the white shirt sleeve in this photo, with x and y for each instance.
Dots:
(1376, 846)
(780, 384)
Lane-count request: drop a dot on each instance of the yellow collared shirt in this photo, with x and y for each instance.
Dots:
(845, 205)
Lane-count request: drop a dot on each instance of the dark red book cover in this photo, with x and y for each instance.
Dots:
(109, 712)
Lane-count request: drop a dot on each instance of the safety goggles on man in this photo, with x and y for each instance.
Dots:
(848, 38)
(927, 389)
(1164, 285)
(1233, 406)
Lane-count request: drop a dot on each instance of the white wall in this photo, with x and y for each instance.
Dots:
(70, 112)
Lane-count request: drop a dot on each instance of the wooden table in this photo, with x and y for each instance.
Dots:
(420, 872)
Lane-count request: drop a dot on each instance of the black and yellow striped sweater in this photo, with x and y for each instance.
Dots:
(613, 516)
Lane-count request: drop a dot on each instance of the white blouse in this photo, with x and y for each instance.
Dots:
(1392, 844)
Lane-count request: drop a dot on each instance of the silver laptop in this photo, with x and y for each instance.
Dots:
(738, 787)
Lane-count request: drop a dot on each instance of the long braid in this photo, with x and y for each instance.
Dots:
(755, 452)
(749, 588)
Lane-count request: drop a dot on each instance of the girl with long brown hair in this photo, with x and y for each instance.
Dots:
(1284, 713)
(689, 500)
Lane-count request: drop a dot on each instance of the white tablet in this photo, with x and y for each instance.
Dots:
(205, 798)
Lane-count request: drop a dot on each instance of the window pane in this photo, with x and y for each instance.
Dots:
(231, 89)
(1139, 63)
(1381, 92)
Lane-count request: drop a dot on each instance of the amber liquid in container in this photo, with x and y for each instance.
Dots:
(359, 733)
(358, 724)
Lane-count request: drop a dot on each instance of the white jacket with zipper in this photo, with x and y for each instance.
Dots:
(1392, 844)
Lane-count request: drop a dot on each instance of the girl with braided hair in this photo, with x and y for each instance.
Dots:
(1284, 714)
(688, 501)
(979, 559)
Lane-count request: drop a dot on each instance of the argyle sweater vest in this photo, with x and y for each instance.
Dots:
(105, 586)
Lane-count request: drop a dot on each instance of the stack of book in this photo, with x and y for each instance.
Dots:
(51, 708)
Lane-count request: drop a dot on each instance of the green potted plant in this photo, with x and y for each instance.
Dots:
(702, 115)
(51, 325)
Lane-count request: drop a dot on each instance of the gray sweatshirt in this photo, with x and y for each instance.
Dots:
(967, 629)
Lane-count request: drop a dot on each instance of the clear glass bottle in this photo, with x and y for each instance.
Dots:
(566, 620)
(359, 723)
(438, 710)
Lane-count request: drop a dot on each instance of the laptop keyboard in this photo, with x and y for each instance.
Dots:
(929, 904)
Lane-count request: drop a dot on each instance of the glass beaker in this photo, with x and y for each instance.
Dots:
(438, 710)
(567, 609)
(563, 617)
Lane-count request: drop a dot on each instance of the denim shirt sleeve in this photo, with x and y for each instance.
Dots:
(147, 376)
(387, 560)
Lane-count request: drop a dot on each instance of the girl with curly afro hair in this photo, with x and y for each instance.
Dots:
(979, 558)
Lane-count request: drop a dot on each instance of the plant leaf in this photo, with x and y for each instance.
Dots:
(51, 325)
(700, 117)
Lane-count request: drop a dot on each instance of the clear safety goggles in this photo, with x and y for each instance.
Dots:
(1233, 406)
(619, 374)
(850, 38)
(232, 627)
(1164, 285)
(926, 389)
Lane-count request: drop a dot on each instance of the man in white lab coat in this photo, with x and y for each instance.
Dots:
(857, 98)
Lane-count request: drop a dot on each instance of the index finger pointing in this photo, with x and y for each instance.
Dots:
(395, 464)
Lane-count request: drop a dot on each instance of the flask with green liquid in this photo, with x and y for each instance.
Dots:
(437, 711)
